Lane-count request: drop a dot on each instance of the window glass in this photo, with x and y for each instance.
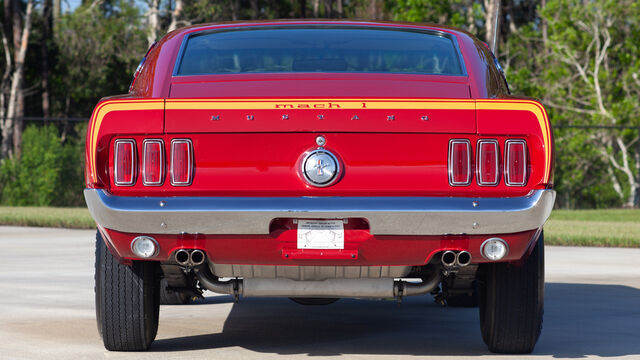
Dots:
(353, 50)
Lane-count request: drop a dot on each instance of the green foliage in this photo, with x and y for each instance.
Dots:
(48, 173)
(202, 11)
(72, 169)
(454, 13)
(581, 178)
(589, 52)
(98, 51)
(34, 179)
(578, 36)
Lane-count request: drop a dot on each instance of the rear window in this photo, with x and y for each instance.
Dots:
(353, 50)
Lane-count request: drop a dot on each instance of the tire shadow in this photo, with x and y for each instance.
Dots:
(580, 320)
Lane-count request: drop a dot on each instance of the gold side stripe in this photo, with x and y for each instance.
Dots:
(237, 100)
(317, 105)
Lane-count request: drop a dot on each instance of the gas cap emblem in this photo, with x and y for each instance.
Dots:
(320, 168)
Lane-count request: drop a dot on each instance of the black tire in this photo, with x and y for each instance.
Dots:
(127, 301)
(314, 301)
(170, 297)
(511, 302)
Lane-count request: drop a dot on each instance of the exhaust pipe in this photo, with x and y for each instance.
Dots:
(349, 288)
(231, 287)
(182, 257)
(404, 288)
(463, 258)
(197, 257)
(449, 258)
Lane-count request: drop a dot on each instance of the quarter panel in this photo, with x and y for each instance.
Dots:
(115, 117)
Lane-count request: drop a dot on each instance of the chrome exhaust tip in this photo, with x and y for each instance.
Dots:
(448, 258)
(182, 257)
(463, 258)
(197, 257)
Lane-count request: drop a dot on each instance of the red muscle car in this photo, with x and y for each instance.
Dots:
(320, 160)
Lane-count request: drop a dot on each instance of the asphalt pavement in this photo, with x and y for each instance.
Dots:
(592, 310)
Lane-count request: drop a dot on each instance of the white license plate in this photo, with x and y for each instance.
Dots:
(320, 234)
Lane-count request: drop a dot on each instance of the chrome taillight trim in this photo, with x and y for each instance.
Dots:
(144, 160)
(508, 144)
(452, 142)
(190, 164)
(479, 163)
(133, 162)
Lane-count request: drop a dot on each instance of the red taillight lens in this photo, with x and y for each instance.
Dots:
(487, 163)
(152, 162)
(124, 162)
(181, 162)
(515, 164)
(459, 162)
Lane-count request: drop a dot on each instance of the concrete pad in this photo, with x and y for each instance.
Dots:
(47, 311)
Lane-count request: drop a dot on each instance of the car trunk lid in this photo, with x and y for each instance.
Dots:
(269, 103)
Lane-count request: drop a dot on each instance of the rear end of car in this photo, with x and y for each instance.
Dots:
(324, 160)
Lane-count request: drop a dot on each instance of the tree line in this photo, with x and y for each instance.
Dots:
(580, 57)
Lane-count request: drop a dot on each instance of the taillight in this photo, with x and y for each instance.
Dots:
(152, 162)
(515, 164)
(487, 173)
(124, 162)
(459, 162)
(181, 162)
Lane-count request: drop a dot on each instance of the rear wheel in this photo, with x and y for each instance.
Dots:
(127, 301)
(511, 301)
(314, 301)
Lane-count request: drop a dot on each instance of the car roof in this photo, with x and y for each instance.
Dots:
(359, 23)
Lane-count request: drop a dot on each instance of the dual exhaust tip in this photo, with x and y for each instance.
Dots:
(187, 257)
(456, 259)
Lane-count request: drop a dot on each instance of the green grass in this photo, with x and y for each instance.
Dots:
(608, 215)
(610, 227)
(74, 218)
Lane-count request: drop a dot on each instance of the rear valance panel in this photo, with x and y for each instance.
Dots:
(319, 115)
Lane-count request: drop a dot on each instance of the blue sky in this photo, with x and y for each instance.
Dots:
(70, 5)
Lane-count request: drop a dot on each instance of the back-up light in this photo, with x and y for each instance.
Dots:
(152, 162)
(181, 162)
(459, 162)
(515, 164)
(487, 173)
(124, 162)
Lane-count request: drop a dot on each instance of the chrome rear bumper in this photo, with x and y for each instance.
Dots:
(386, 215)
